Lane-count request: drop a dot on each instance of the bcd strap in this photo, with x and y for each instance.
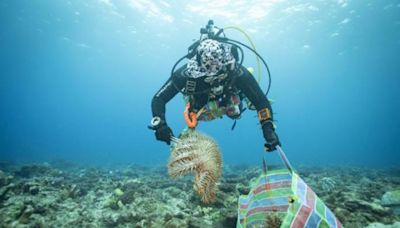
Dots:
(190, 86)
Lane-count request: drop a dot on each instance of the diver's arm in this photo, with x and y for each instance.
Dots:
(175, 83)
(250, 88)
(167, 92)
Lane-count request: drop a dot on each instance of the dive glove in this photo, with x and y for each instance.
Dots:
(162, 131)
(270, 136)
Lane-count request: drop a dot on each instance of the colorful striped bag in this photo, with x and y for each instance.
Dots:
(280, 198)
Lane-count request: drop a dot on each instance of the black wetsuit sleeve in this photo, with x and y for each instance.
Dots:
(171, 87)
(246, 83)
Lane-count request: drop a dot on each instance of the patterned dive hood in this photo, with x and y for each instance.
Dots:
(211, 57)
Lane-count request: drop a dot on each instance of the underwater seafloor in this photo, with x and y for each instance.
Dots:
(62, 194)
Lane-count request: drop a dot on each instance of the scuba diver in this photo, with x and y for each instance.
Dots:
(214, 83)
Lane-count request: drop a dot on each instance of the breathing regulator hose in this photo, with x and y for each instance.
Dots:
(258, 56)
(252, 45)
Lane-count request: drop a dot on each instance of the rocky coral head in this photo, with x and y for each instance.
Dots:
(200, 155)
(391, 199)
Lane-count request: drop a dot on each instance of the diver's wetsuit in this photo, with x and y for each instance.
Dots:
(239, 81)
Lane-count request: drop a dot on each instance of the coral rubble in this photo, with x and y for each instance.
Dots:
(138, 196)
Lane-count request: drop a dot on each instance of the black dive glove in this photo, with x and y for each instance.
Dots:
(270, 136)
(162, 131)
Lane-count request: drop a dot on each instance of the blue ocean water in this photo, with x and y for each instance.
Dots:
(77, 78)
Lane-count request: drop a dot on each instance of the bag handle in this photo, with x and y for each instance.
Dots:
(284, 159)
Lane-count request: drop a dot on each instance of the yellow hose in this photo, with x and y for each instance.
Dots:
(252, 45)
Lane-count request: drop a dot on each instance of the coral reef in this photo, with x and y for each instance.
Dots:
(199, 154)
(139, 196)
(5, 179)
